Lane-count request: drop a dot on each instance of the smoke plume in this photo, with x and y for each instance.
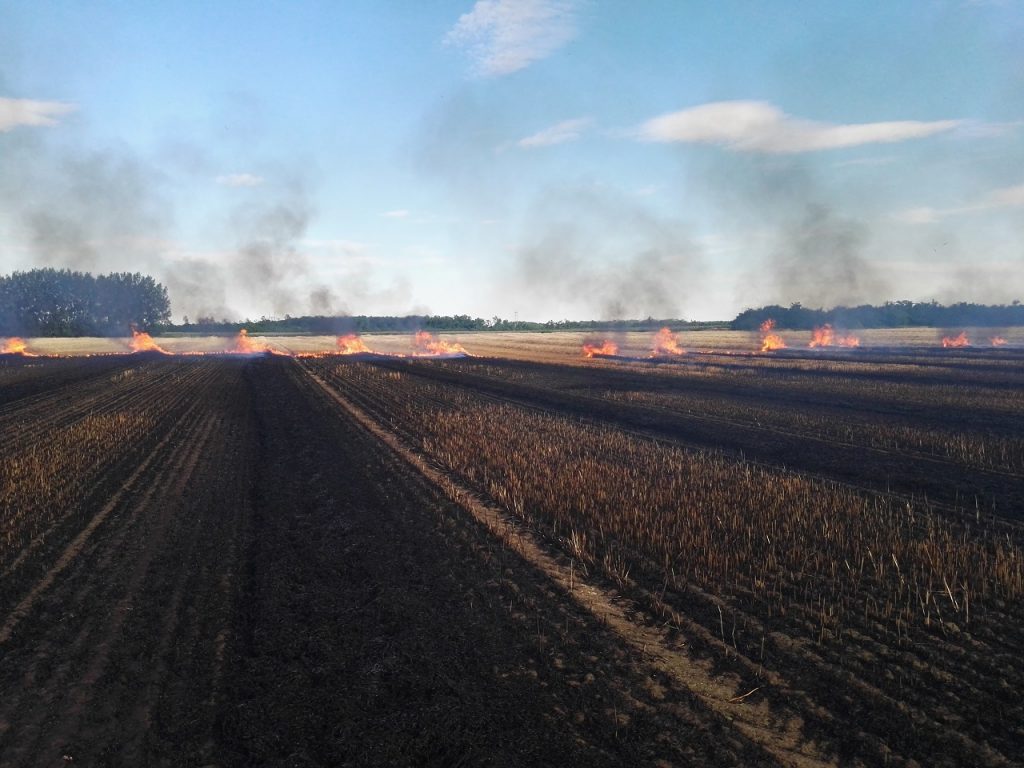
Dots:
(820, 259)
(601, 252)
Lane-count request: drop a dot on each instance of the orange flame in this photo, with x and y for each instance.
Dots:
(769, 340)
(997, 341)
(143, 342)
(351, 344)
(956, 341)
(826, 337)
(666, 343)
(606, 348)
(16, 346)
(246, 346)
(822, 337)
(426, 346)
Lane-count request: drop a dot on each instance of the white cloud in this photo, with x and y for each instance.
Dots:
(15, 112)
(977, 129)
(1007, 197)
(401, 213)
(757, 126)
(1004, 197)
(865, 161)
(504, 36)
(240, 180)
(560, 133)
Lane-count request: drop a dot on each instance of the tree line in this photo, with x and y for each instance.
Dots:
(893, 314)
(62, 302)
(327, 325)
(52, 302)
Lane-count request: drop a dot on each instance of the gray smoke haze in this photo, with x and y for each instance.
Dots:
(271, 264)
(268, 258)
(456, 143)
(816, 254)
(107, 208)
(96, 209)
(197, 290)
(821, 260)
(592, 248)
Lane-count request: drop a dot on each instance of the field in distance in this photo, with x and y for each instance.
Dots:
(561, 345)
(679, 550)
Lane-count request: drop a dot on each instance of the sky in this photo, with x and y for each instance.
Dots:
(530, 159)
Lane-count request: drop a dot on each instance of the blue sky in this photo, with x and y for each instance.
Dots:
(539, 158)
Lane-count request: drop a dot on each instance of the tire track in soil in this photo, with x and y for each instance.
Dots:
(54, 667)
(91, 690)
(78, 544)
(105, 469)
(779, 731)
(155, 510)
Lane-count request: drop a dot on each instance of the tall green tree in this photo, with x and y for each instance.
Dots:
(52, 302)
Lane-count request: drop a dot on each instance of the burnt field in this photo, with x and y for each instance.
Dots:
(808, 557)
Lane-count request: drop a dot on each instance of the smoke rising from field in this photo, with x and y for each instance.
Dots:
(95, 208)
(197, 289)
(86, 209)
(269, 260)
(458, 138)
(815, 251)
(821, 258)
(598, 250)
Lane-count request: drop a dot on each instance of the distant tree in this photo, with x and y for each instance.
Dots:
(891, 314)
(51, 302)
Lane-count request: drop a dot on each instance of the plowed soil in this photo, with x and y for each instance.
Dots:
(266, 572)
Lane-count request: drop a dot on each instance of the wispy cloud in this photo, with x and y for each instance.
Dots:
(997, 199)
(757, 126)
(504, 36)
(239, 180)
(560, 133)
(17, 112)
(865, 161)
(401, 213)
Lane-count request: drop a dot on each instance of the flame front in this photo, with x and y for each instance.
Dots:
(246, 346)
(822, 337)
(426, 345)
(15, 346)
(351, 344)
(956, 341)
(606, 347)
(665, 343)
(825, 336)
(143, 342)
(769, 340)
(997, 341)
